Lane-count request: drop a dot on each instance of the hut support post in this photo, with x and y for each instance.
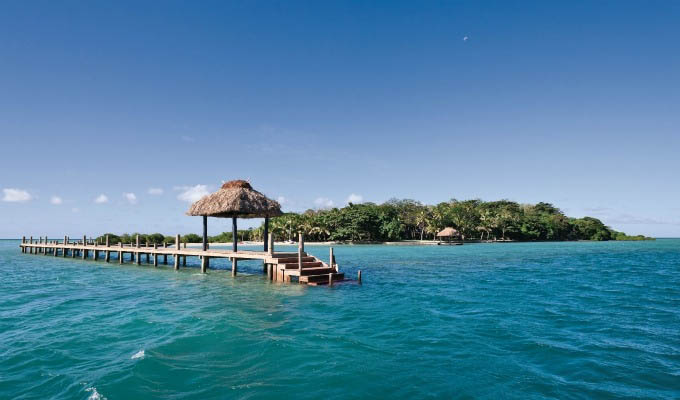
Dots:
(270, 238)
(265, 235)
(234, 234)
(234, 266)
(205, 233)
(204, 264)
(330, 259)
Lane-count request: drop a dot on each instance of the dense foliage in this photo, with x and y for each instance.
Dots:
(411, 220)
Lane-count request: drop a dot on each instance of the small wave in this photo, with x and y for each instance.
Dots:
(139, 354)
(94, 395)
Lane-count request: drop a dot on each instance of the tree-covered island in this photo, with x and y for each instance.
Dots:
(398, 220)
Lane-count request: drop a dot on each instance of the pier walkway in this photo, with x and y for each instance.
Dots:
(278, 266)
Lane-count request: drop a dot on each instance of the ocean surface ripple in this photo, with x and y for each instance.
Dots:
(521, 320)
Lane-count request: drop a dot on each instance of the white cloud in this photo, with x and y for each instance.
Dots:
(355, 198)
(56, 200)
(130, 197)
(282, 200)
(101, 199)
(155, 191)
(323, 202)
(16, 196)
(191, 194)
(465, 38)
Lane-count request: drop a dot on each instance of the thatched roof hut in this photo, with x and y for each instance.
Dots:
(448, 232)
(235, 199)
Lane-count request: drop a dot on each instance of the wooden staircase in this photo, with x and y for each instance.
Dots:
(312, 271)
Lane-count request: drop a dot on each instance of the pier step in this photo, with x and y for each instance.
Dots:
(321, 279)
(309, 264)
(290, 260)
(310, 271)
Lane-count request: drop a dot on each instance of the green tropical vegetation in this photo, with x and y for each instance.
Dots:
(405, 219)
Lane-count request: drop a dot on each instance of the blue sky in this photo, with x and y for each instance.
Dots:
(146, 105)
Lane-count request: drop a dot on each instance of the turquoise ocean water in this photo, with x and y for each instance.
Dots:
(524, 321)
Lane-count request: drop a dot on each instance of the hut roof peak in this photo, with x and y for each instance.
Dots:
(238, 183)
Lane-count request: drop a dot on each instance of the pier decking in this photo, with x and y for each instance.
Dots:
(278, 266)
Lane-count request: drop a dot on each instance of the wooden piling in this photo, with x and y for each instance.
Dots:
(330, 279)
(120, 252)
(155, 255)
(165, 256)
(234, 266)
(301, 246)
(359, 277)
(204, 264)
(271, 244)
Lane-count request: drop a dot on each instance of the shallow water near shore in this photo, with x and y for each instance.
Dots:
(519, 320)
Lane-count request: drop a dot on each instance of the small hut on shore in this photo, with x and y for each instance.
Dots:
(448, 233)
(235, 199)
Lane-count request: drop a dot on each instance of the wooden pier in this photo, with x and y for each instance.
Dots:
(278, 266)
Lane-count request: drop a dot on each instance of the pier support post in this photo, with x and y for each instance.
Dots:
(234, 266)
(107, 256)
(155, 255)
(204, 264)
(95, 256)
(165, 256)
(301, 248)
(330, 279)
(269, 272)
(177, 256)
(330, 259)
(23, 241)
(137, 254)
(359, 277)
(120, 252)
(30, 249)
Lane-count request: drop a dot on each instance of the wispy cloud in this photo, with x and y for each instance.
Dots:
(101, 199)
(11, 195)
(355, 198)
(56, 200)
(323, 202)
(155, 191)
(191, 194)
(130, 197)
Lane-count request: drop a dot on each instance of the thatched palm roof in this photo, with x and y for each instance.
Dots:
(448, 232)
(236, 199)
